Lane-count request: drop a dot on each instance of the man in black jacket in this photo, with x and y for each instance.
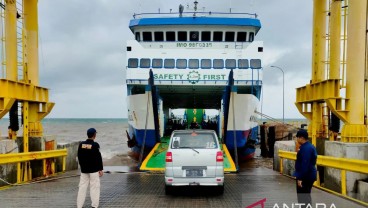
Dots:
(305, 168)
(90, 161)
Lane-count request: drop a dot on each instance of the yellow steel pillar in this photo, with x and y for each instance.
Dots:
(11, 40)
(11, 48)
(318, 58)
(319, 40)
(316, 121)
(335, 44)
(355, 130)
(31, 61)
(335, 39)
(26, 171)
(31, 40)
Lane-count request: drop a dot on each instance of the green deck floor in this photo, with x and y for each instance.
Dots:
(155, 161)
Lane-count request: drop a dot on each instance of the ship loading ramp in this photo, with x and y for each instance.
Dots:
(155, 160)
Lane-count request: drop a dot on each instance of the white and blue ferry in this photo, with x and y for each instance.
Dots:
(195, 60)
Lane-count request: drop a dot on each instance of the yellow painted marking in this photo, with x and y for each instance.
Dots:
(144, 164)
(232, 164)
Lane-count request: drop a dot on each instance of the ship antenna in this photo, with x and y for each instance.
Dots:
(181, 9)
(231, 5)
(195, 8)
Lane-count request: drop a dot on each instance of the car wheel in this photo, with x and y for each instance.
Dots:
(168, 190)
(221, 189)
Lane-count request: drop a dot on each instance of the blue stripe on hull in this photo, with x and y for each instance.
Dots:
(139, 135)
(241, 137)
(245, 151)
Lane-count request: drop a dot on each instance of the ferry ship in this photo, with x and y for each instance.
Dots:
(194, 60)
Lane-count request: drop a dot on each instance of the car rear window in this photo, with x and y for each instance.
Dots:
(194, 140)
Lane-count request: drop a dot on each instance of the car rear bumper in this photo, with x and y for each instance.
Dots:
(217, 181)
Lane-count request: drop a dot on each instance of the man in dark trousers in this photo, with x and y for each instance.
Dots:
(305, 168)
(90, 161)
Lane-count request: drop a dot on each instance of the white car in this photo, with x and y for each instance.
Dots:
(194, 158)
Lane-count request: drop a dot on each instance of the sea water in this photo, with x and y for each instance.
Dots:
(110, 132)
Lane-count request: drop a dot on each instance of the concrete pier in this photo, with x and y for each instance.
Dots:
(289, 165)
(333, 176)
(8, 172)
(71, 159)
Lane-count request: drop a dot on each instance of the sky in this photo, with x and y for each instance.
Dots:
(82, 51)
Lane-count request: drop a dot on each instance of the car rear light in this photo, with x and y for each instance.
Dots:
(219, 157)
(168, 156)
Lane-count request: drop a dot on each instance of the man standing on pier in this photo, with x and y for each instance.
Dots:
(90, 161)
(305, 168)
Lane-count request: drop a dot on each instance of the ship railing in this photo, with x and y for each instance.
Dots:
(195, 14)
(343, 164)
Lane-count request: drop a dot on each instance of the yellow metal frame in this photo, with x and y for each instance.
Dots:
(23, 91)
(344, 164)
(24, 87)
(12, 90)
(324, 91)
(347, 70)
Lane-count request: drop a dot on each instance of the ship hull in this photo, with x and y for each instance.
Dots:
(242, 126)
(141, 123)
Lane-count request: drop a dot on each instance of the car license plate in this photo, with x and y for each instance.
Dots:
(194, 173)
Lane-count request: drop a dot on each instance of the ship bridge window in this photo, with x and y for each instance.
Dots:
(147, 36)
(181, 63)
(229, 36)
(206, 63)
(182, 36)
(193, 63)
(159, 36)
(230, 63)
(170, 36)
(145, 63)
(242, 37)
(243, 64)
(218, 63)
(138, 36)
(133, 63)
(169, 63)
(255, 63)
(194, 36)
(157, 63)
(217, 36)
(206, 36)
(251, 37)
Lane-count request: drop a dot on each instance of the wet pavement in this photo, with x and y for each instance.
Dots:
(122, 188)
